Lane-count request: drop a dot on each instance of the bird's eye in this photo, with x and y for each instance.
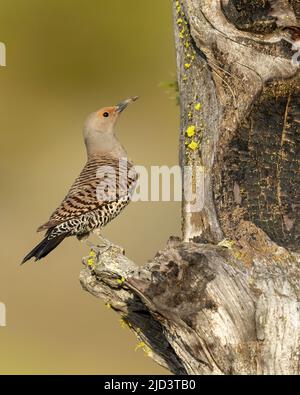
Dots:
(106, 114)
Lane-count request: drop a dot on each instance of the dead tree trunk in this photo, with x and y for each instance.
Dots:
(225, 298)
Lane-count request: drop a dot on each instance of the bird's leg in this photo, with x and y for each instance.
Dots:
(106, 243)
(96, 249)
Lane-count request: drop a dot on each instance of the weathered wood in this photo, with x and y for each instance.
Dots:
(233, 60)
(200, 310)
(225, 299)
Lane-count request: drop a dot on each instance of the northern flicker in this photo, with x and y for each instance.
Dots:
(102, 190)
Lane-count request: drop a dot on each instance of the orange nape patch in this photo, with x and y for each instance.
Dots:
(109, 110)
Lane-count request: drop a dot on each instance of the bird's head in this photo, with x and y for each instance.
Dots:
(100, 125)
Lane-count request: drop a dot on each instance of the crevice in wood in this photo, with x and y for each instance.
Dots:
(260, 175)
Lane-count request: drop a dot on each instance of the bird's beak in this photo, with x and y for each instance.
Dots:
(121, 106)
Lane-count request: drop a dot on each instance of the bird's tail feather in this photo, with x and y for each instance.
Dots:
(44, 248)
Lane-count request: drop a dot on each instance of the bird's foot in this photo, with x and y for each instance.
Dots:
(106, 244)
(96, 251)
(94, 256)
(100, 249)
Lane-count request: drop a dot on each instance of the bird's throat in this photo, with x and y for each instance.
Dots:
(105, 145)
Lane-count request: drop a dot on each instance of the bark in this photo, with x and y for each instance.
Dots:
(225, 298)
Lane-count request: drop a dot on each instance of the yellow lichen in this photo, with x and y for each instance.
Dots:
(187, 65)
(226, 243)
(90, 261)
(193, 145)
(198, 107)
(191, 130)
(140, 345)
(121, 280)
(124, 323)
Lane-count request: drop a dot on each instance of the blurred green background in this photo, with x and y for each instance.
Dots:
(65, 59)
